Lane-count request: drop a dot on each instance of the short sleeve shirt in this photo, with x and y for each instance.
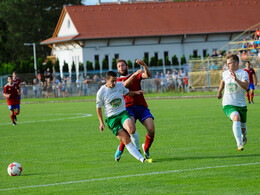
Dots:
(233, 93)
(112, 99)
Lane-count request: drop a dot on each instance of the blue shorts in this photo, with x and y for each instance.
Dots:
(11, 107)
(139, 112)
(251, 86)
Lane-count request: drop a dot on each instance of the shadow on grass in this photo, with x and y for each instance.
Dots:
(204, 157)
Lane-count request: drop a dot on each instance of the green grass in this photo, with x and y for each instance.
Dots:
(194, 151)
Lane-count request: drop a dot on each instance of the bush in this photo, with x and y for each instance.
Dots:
(65, 67)
(97, 65)
(175, 60)
(104, 64)
(167, 61)
(89, 65)
(7, 68)
(130, 64)
(57, 65)
(183, 60)
(160, 62)
(81, 67)
(114, 63)
(145, 60)
(153, 61)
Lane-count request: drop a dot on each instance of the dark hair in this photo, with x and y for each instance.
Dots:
(234, 57)
(110, 74)
(248, 62)
(10, 76)
(121, 60)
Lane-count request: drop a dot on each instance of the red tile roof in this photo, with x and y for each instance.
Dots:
(160, 19)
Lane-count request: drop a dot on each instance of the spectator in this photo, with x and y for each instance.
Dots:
(157, 83)
(35, 88)
(47, 74)
(163, 82)
(186, 82)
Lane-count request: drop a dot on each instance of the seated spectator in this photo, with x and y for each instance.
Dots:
(214, 66)
(257, 34)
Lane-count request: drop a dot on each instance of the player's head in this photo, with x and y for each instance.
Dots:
(14, 74)
(111, 79)
(232, 62)
(247, 64)
(10, 79)
(122, 67)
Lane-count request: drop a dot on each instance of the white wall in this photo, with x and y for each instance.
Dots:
(67, 27)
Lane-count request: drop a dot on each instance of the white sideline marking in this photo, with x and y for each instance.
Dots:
(80, 115)
(127, 176)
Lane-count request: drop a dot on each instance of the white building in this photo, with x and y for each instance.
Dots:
(137, 30)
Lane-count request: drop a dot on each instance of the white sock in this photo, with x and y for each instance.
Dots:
(135, 140)
(134, 152)
(237, 132)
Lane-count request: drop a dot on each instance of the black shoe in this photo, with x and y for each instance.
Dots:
(249, 102)
(14, 123)
(15, 119)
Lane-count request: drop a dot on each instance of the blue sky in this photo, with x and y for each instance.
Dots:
(94, 2)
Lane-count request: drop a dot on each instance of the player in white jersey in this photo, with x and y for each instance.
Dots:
(118, 120)
(235, 82)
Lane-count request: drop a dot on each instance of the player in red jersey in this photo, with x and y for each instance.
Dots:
(11, 91)
(136, 106)
(252, 82)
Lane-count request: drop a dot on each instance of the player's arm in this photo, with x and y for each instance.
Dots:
(133, 93)
(6, 95)
(147, 73)
(244, 84)
(100, 118)
(221, 87)
(128, 81)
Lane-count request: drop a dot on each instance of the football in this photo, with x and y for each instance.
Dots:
(14, 169)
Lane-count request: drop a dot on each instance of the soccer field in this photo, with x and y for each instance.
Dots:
(62, 151)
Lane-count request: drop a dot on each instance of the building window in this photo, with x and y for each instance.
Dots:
(97, 58)
(205, 52)
(116, 56)
(195, 53)
(166, 55)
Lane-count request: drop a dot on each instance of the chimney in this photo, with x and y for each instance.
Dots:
(99, 2)
(118, 1)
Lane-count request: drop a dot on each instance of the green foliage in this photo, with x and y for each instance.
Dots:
(135, 64)
(130, 64)
(40, 67)
(114, 63)
(27, 21)
(167, 61)
(104, 64)
(183, 59)
(160, 62)
(65, 67)
(89, 65)
(73, 67)
(49, 65)
(81, 67)
(7, 68)
(145, 60)
(153, 61)
(175, 60)
(97, 65)
(57, 65)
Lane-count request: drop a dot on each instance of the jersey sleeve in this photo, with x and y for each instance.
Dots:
(125, 90)
(99, 100)
(245, 76)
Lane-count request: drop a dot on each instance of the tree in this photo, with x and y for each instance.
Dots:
(114, 63)
(167, 61)
(160, 62)
(89, 65)
(81, 67)
(27, 21)
(65, 67)
(145, 60)
(57, 65)
(175, 60)
(105, 64)
(153, 61)
(183, 59)
(73, 67)
(130, 64)
(97, 65)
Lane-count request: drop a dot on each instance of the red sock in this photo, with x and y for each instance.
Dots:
(247, 95)
(12, 117)
(148, 143)
(121, 147)
(252, 95)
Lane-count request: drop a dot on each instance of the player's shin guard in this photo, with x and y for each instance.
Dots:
(237, 132)
(148, 142)
(134, 152)
(135, 140)
(12, 117)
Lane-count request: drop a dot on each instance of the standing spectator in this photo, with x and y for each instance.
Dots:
(168, 76)
(79, 83)
(35, 88)
(157, 83)
(186, 82)
(163, 82)
(47, 74)
(24, 89)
